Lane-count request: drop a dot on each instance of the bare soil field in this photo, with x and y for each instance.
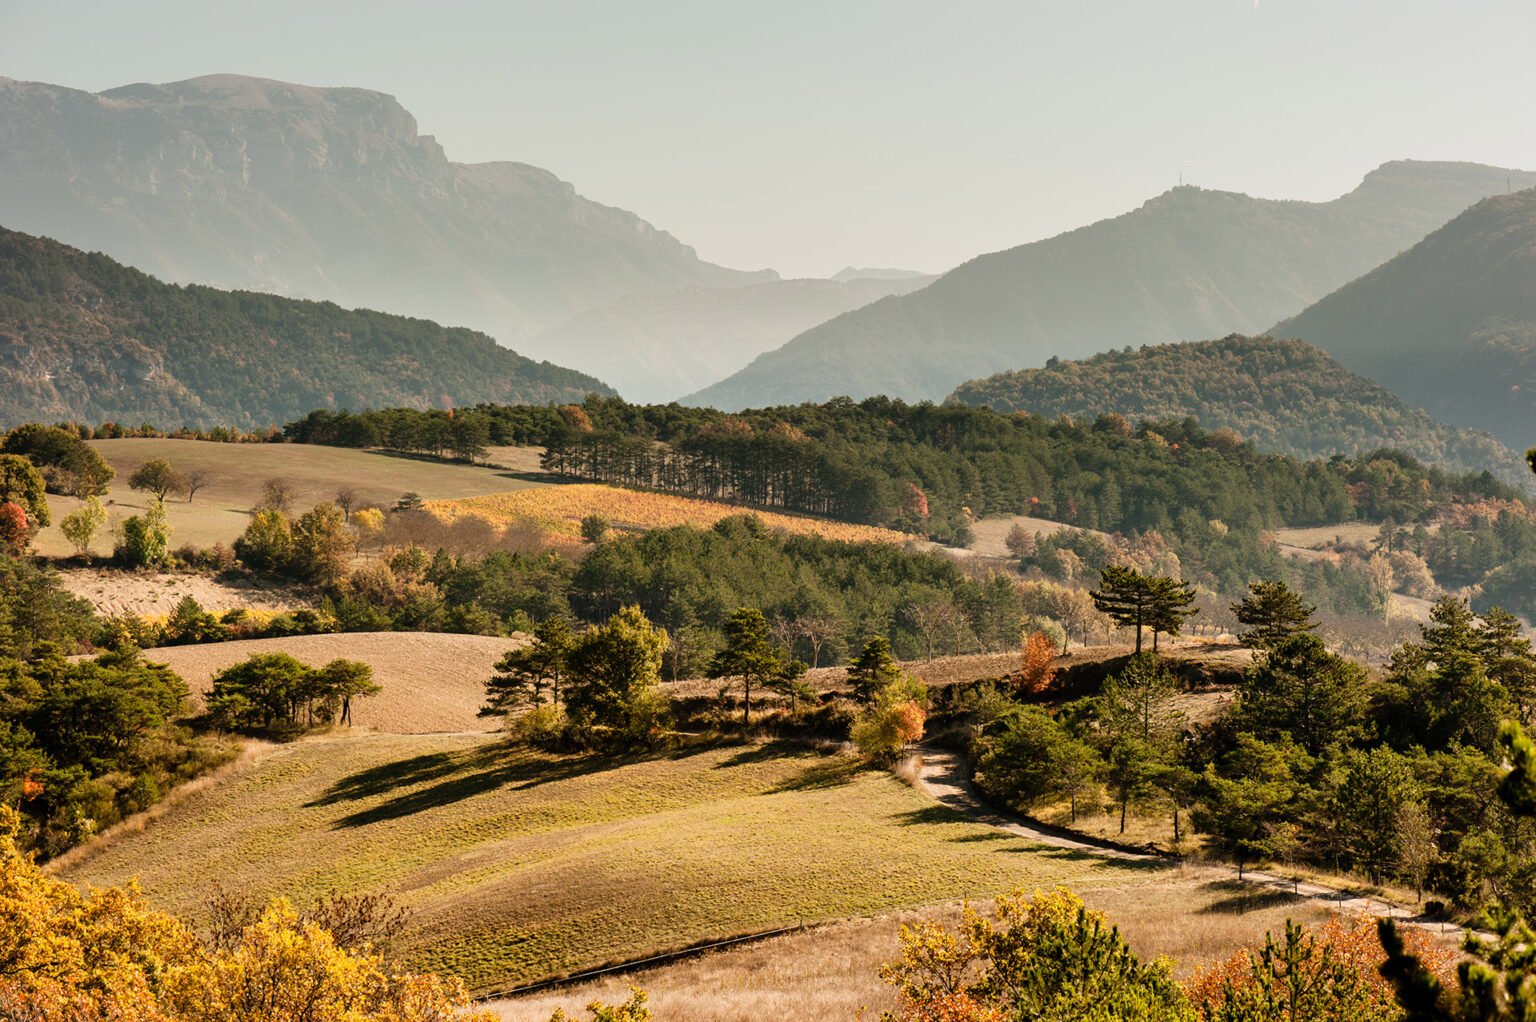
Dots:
(431, 681)
(829, 973)
(236, 472)
(521, 865)
(156, 593)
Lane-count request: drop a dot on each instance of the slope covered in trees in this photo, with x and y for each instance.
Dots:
(83, 337)
(1281, 395)
(1450, 324)
(1189, 263)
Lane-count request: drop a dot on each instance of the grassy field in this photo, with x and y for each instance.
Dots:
(519, 865)
(431, 681)
(828, 973)
(1362, 533)
(559, 511)
(991, 534)
(236, 472)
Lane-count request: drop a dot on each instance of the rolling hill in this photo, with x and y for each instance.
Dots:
(324, 193)
(1451, 323)
(1187, 264)
(86, 338)
(657, 348)
(1281, 395)
(520, 865)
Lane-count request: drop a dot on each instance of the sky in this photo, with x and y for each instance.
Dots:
(806, 136)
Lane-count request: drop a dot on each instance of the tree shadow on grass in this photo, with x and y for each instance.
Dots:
(1240, 898)
(832, 772)
(942, 814)
(441, 779)
(760, 753)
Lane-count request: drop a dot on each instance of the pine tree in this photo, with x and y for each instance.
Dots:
(1273, 612)
(873, 669)
(1124, 594)
(1173, 602)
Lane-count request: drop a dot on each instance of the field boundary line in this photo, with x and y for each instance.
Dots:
(664, 958)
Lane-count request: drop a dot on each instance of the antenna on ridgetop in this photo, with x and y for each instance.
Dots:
(1181, 179)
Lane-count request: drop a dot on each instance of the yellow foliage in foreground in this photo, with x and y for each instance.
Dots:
(105, 956)
(558, 510)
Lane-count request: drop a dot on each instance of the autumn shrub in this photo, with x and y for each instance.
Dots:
(107, 956)
(891, 722)
(1331, 971)
(1035, 665)
(1040, 957)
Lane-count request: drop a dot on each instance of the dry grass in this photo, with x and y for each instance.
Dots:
(236, 472)
(991, 533)
(155, 594)
(1317, 537)
(828, 972)
(520, 865)
(431, 681)
(560, 509)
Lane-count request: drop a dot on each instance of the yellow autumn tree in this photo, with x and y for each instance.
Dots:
(107, 956)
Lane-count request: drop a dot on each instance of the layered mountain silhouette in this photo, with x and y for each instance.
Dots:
(657, 348)
(1286, 396)
(85, 338)
(326, 193)
(1188, 264)
(1451, 323)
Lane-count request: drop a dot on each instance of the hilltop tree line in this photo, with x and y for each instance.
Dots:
(931, 470)
(1280, 395)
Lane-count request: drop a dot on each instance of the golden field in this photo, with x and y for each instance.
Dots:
(558, 510)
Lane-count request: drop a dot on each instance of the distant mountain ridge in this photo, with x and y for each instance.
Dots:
(1285, 396)
(1187, 264)
(1451, 323)
(658, 348)
(325, 193)
(85, 338)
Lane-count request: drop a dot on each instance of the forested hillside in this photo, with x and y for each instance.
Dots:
(933, 470)
(1450, 324)
(1189, 263)
(1280, 395)
(85, 338)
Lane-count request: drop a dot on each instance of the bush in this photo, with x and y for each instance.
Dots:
(145, 540)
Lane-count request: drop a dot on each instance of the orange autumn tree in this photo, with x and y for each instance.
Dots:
(106, 956)
(1035, 665)
(1321, 973)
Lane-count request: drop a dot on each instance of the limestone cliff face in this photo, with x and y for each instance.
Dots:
(327, 193)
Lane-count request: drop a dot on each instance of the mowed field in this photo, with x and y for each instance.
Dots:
(236, 472)
(520, 865)
(830, 973)
(559, 511)
(431, 681)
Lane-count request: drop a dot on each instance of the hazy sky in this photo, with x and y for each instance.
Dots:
(810, 135)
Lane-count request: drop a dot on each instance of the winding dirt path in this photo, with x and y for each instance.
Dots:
(943, 776)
